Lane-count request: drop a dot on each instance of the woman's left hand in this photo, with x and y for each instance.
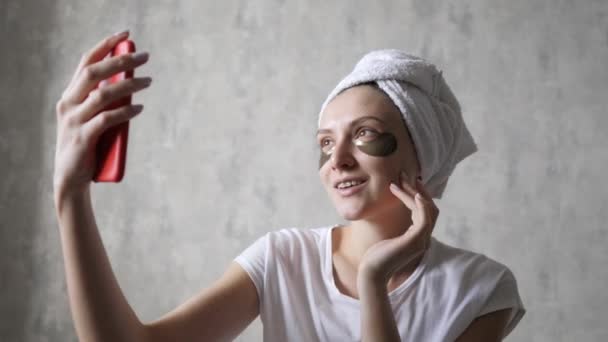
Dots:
(387, 256)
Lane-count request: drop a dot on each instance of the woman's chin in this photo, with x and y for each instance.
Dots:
(359, 210)
(351, 213)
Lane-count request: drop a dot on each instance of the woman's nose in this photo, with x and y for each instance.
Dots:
(342, 156)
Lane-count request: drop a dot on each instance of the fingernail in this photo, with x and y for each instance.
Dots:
(418, 196)
(137, 108)
(121, 33)
(393, 186)
(140, 56)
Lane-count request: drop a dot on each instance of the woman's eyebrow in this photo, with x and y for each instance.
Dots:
(354, 122)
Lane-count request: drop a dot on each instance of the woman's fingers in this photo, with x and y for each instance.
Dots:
(420, 202)
(100, 98)
(404, 191)
(418, 233)
(106, 119)
(424, 208)
(428, 198)
(430, 209)
(92, 74)
(406, 185)
(97, 53)
(423, 191)
(100, 50)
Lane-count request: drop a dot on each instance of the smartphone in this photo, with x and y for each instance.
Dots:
(111, 149)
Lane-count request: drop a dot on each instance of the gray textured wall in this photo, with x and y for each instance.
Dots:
(224, 150)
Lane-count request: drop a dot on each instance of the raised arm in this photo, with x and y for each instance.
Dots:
(99, 309)
(101, 312)
(218, 313)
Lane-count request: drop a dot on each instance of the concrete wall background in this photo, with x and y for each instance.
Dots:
(224, 150)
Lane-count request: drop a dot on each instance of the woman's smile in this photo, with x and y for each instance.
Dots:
(351, 190)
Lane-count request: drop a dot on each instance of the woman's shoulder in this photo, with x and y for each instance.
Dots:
(470, 284)
(297, 235)
(465, 263)
(292, 241)
(294, 232)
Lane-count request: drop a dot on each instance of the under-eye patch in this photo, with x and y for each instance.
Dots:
(383, 145)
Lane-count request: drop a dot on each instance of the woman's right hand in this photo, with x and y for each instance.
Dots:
(78, 126)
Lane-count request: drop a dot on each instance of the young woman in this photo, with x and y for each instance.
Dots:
(390, 134)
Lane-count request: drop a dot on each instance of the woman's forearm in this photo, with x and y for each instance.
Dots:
(99, 309)
(377, 319)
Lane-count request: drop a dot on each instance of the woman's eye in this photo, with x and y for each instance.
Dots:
(324, 143)
(370, 133)
(363, 133)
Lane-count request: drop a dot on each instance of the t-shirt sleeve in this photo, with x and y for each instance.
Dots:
(253, 261)
(505, 294)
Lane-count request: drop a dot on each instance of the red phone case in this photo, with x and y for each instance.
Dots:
(111, 150)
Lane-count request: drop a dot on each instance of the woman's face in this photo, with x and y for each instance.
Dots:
(356, 138)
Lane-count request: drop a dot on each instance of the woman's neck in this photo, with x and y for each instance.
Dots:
(358, 236)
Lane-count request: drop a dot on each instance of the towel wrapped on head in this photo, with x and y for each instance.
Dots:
(430, 110)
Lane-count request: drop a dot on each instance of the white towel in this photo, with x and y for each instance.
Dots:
(429, 108)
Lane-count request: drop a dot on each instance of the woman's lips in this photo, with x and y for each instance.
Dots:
(352, 190)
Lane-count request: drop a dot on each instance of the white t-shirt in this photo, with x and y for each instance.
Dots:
(293, 274)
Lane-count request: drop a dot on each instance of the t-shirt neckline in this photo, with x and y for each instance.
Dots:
(329, 274)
